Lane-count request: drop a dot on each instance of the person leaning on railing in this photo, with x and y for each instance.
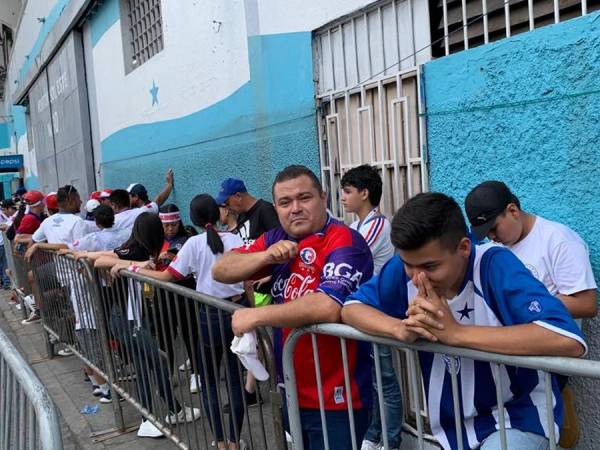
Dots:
(445, 289)
(315, 262)
(130, 323)
(197, 256)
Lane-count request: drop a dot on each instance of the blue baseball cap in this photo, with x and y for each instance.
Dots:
(229, 187)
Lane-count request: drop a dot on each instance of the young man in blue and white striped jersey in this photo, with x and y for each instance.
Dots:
(445, 289)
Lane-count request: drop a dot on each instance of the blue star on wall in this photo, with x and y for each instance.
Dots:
(154, 93)
(465, 312)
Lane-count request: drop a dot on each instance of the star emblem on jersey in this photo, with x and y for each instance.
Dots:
(308, 255)
(465, 312)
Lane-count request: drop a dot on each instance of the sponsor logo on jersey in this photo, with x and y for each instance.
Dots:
(294, 286)
(535, 307)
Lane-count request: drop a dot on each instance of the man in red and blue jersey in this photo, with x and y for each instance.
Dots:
(315, 263)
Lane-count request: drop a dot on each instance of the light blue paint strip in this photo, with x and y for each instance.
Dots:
(18, 124)
(103, 19)
(280, 89)
(4, 135)
(46, 27)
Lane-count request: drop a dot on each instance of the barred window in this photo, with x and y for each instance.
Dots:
(141, 25)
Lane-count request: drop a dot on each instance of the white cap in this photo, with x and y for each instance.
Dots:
(91, 205)
(245, 349)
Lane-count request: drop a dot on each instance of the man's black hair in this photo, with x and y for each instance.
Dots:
(119, 197)
(364, 177)
(426, 217)
(104, 216)
(64, 193)
(295, 171)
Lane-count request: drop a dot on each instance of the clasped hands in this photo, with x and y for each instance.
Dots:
(428, 316)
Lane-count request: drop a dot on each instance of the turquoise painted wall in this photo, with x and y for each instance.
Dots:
(4, 135)
(526, 110)
(265, 125)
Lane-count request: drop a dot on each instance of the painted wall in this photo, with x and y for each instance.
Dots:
(231, 96)
(9, 12)
(526, 110)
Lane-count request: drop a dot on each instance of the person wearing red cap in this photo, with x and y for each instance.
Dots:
(31, 220)
(104, 197)
(51, 202)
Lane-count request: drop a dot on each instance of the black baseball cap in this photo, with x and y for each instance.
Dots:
(484, 203)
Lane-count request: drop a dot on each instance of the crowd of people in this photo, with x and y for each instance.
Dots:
(512, 283)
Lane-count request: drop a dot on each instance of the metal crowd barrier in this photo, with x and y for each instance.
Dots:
(17, 269)
(548, 365)
(28, 418)
(128, 329)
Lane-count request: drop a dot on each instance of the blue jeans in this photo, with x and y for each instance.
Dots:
(338, 428)
(392, 402)
(515, 439)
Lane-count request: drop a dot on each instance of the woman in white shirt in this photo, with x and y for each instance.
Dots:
(197, 256)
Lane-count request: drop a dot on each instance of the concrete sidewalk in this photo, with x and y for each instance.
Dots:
(63, 377)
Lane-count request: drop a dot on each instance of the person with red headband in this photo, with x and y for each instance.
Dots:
(32, 219)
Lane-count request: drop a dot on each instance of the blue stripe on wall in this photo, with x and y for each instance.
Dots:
(4, 135)
(526, 111)
(103, 19)
(46, 27)
(266, 124)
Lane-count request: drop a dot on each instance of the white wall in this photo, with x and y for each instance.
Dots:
(9, 12)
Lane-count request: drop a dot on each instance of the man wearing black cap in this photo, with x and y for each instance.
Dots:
(138, 195)
(555, 254)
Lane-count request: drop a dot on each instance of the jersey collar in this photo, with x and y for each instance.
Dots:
(469, 275)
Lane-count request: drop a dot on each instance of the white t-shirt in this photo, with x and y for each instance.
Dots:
(60, 228)
(106, 239)
(376, 231)
(4, 219)
(125, 219)
(196, 257)
(556, 256)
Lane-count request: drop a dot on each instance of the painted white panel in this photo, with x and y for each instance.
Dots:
(200, 65)
(287, 16)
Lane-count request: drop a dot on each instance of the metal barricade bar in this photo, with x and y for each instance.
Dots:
(547, 365)
(28, 417)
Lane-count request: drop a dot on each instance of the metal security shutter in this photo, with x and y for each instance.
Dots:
(368, 94)
(59, 118)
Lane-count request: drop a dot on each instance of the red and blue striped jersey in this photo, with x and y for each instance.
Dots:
(334, 261)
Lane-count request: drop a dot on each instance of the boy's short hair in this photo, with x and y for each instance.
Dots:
(64, 193)
(365, 177)
(104, 216)
(426, 217)
(119, 197)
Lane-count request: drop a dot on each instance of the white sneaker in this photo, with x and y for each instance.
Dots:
(147, 429)
(187, 414)
(186, 365)
(65, 352)
(195, 384)
(368, 445)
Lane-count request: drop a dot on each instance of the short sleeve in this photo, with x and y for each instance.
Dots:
(386, 292)
(571, 268)
(185, 263)
(517, 297)
(345, 269)
(269, 217)
(38, 235)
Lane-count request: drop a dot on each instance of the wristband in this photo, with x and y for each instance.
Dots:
(133, 268)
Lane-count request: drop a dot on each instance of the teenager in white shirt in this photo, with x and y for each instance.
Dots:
(197, 256)
(555, 254)
(361, 194)
(138, 194)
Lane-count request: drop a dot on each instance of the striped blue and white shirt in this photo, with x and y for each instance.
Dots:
(497, 291)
